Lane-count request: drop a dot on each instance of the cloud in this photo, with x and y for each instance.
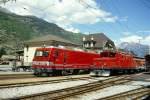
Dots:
(133, 38)
(73, 30)
(65, 13)
(147, 40)
(136, 39)
(116, 42)
(126, 33)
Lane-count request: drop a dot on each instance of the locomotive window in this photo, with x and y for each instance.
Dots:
(41, 53)
(56, 53)
(45, 53)
(108, 54)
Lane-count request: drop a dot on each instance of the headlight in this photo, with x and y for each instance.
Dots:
(43, 63)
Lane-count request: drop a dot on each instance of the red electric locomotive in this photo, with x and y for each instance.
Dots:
(61, 61)
(113, 61)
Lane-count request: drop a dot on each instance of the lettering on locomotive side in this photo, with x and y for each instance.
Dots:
(46, 63)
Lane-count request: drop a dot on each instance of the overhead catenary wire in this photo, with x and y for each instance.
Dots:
(90, 9)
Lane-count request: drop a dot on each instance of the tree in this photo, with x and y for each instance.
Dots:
(4, 1)
(2, 52)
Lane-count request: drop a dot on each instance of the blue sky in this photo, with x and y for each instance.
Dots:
(132, 20)
(120, 20)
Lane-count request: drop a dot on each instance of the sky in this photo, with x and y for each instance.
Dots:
(120, 20)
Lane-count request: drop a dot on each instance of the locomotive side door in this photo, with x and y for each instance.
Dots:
(118, 58)
(65, 58)
(55, 56)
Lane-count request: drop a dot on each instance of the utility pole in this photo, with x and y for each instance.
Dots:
(139, 42)
(149, 49)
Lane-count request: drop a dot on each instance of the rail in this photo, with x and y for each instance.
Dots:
(77, 90)
(39, 82)
(15, 76)
(135, 94)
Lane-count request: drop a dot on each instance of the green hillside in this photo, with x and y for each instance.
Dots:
(15, 29)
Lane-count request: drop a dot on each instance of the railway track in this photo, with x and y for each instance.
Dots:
(77, 90)
(136, 94)
(38, 82)
(16, 76)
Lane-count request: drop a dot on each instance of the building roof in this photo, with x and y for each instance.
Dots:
(8, 57)
(100, 38)
(49, 39)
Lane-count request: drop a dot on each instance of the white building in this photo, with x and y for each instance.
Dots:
(98, 41)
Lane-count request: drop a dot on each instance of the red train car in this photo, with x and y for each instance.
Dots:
(61, 61)
(147, 62)
(113, 61)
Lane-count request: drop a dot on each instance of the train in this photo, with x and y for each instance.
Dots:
(147, 62)
(111, 62)
(60, 61)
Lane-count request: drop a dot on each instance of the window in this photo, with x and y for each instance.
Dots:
(56, 53)
(41, 53)
(27, 48)
(108, 54)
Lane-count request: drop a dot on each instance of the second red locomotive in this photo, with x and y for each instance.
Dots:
(114, 62)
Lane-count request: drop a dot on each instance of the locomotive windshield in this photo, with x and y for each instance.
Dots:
(42, 53)
(108, 54)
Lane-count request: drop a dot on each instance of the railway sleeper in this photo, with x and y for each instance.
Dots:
(72, 91)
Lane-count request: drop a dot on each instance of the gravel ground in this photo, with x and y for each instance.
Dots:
(39, 79)
(110, 91)
(28, 90)
(10, 73)
(5, 69)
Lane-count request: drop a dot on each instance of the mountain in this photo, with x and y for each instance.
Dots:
(14, 29)
(4, 10)
(139, 50)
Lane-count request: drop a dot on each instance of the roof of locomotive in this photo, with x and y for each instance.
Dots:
(123, 53)
(77, 50)
(117, 52)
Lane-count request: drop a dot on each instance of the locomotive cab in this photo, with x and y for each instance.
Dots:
(59, 61)
(42, 61)
(103, 64)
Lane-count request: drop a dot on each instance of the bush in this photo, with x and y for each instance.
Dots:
(2, 52)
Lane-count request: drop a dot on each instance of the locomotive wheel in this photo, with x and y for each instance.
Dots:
(76, 71)
(71, 71)
(125, 71)
(131, 71)
(57, 72)
(68, 72)
(43, 74)
(64, 72)
(37, 74)
(100, 73)
(105, 72)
